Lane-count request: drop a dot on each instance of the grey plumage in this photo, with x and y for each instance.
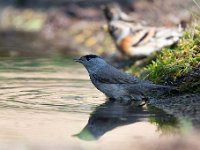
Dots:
(117, 84)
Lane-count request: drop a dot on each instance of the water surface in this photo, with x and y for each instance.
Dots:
(50, 103)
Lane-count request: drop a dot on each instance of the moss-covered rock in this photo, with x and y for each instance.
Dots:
(179, 65)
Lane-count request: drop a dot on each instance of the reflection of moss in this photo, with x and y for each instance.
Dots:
(166, 123)
(186, 125)
(85, 135)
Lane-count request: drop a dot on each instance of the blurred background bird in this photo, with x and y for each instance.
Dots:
(135, 39)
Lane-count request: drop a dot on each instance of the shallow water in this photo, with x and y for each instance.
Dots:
(51, 104)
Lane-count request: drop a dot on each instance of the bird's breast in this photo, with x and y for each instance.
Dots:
(125, 44)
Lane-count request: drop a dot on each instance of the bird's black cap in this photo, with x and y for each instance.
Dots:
(88, 57)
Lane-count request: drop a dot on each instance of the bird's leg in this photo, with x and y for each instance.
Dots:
(144, 101)
(139, 100)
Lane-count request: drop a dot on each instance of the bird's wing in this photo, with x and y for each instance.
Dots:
(142, 35)
(111, 75)
(146, 35)
(150, 39)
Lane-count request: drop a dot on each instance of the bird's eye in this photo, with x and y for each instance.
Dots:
(87, 58)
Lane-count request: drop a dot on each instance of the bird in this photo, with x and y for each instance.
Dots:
(137, 39)
(118, 85)
(134, 39)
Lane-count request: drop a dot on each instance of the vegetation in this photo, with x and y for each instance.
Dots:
(179, 65)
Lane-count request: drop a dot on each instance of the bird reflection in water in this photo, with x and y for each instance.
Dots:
(112, 114)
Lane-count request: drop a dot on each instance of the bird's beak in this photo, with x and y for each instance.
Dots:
(78, 60)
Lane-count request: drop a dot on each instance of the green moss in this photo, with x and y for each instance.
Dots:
(179, 65)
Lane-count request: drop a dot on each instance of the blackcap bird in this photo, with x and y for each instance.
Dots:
(116, 84)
